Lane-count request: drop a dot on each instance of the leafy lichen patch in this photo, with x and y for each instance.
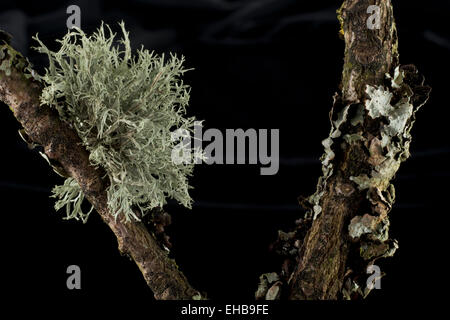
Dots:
(266, 281)
(10, 58)
(360, 225)
(391, 113)
(327, 157)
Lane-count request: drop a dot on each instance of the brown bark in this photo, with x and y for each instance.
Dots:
(324, 262)
(21, 92)
(369, 53)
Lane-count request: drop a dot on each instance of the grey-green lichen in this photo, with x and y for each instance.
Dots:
(10, 58)
(269, 287)
(326, 159)
(71, 197)
(389, 116)
(199, 296)
(123, 108)
(393, 108)
(377, 227)
(385, 155)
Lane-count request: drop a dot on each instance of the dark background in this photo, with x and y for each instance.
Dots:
(258, 64)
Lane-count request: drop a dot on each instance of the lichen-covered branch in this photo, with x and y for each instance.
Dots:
(124, 106)
(346, 227)
(21, 92)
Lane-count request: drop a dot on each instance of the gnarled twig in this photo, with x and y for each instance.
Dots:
(21, 92)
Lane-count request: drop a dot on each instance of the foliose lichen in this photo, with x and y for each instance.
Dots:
(393, 108)
(269, 287)
(386, 154)
(326, 159)
(10, 58)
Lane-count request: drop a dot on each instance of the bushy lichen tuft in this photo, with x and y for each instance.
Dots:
(123, 108)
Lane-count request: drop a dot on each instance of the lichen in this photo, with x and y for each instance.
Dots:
(198, 296)
(123, 108)
(378, 104)
(395, 136)
(340, 19)
(7, 56)
(10, 58)
(377, 227)
(352, 138)
(361, 225)
(268, 288)
(370, 250)
(392, 109)
(326, 159)
(71, 197)
(350, 288)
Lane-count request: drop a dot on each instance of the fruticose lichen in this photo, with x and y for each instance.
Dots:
(123, 108)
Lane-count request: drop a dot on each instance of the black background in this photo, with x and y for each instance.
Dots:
(258, 64)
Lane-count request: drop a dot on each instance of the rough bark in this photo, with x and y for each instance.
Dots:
(20, 91)
(369, 53)
(329, 259)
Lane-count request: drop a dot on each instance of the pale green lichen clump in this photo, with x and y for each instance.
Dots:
(124, 109)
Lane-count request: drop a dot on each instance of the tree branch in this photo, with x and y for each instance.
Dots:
(346, 225)
(21, 92)
(368, 56)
